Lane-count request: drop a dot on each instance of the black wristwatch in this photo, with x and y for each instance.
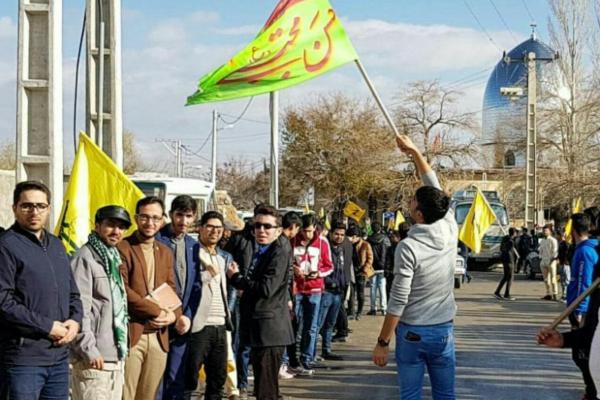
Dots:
(383, 343)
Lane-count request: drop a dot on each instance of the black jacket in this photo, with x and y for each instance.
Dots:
(36, 289)
(337, 281)
(241, 247)
(507, 250)
(265, 317)
(380, 244)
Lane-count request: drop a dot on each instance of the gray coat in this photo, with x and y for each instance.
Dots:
(96, 337)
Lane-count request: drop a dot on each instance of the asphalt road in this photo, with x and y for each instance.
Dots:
(497, 357)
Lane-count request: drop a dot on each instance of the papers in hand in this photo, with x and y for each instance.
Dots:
(165, 297)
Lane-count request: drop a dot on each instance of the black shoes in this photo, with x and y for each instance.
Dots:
(332, 357)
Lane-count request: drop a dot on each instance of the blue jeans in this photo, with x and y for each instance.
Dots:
(33, 383)
(330, 307)
(309, 305)
(378, 284)
(430, 346)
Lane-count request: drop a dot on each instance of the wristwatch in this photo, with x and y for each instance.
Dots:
(383, 343)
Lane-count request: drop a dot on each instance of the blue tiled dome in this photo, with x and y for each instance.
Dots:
(499, 112)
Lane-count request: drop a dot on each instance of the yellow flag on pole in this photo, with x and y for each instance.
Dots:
(478, 220)
(95, 182)
(353, 210)
(399, 219)
(569, 225)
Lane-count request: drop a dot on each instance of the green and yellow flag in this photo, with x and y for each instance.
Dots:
(569, 225)
(95, 182)
(302, 39)
(478, 220)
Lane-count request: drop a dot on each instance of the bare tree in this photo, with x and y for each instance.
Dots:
(426, 111)
(569, 123)
(8, 156)
(132, 162)
(245, 185)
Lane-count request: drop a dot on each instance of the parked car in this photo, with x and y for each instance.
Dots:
(460, 269)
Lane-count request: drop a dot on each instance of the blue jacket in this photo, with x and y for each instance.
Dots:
(190, 295)
(582, 268)
(36, 289)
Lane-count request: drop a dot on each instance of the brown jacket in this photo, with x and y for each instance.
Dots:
(133, 270)
(365, 257)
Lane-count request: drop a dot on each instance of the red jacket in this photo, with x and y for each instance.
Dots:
(316, 256)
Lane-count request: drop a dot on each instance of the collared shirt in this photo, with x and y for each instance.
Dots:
(180, 261)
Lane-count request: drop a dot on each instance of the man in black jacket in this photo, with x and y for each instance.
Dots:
(40, 308)
(509, 259)
(265, 319)
(380, 244)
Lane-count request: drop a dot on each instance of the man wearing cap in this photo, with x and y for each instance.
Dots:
(98, 352)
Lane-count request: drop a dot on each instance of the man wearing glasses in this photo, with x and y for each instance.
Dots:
(208, 342)
(265, 320)
(147, 264)
(40, 308)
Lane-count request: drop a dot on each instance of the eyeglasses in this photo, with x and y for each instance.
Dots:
(148, 218)
(29, 207)
(213, 227)
(266, 227)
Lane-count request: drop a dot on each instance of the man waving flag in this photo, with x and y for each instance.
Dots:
(301, 39)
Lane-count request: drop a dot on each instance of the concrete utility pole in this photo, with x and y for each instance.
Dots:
(530, 60)
(274, 111)
(213, 168)
(104, 104)
(39, 98)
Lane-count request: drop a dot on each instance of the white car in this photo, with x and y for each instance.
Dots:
(460, 269)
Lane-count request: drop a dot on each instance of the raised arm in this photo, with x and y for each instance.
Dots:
(406, 145)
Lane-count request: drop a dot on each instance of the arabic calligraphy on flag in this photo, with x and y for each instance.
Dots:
(301, 40)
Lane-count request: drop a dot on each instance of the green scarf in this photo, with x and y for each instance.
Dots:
(111, 260)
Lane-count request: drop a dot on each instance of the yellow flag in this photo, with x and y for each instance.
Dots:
(306, 207)
(569, 225)
(95, 182)
(399, 219)
(353, 210)
(478, 220)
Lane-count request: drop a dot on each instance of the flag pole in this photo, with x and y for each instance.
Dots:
(384, 110)
(274, 111)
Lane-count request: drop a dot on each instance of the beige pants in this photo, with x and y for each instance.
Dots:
(144, 368)
(93, 384)
(549, 271)
(231, 388)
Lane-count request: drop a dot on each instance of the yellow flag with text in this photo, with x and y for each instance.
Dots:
(353, 210)
(478, 220)
(95, 182)
(569, 225)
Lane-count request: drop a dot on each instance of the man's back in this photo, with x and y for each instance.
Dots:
(380, 245)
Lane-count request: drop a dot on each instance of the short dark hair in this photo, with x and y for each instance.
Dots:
(594, 214)
(432, 202)
(291, 218)
(29, 185)
(183, 202)
(581, 222)
(308, 220)
(353, 230)
(511, 231)
(266, 209)
(147, 201)
(337, 226)
(549, 227)
(211, 215)
(403, 229)
(376, 227)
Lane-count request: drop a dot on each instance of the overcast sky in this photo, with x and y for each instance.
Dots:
(168, 46)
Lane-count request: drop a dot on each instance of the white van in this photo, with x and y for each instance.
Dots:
(167, 188)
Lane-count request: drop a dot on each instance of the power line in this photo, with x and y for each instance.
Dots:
(528, 10)
(481, 25)
(236, 120)
(246, 119)
(503, 20)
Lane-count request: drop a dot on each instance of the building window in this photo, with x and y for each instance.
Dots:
(509, 159)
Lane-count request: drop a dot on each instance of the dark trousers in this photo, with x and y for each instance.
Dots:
(22, 382)
(265, 363)
(209, 348)
(581, 358)
(173, 385)
(341, 325)
(507, 278)
(358, 290)
(292, 349)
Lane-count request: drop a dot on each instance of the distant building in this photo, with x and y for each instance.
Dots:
(503, 119)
